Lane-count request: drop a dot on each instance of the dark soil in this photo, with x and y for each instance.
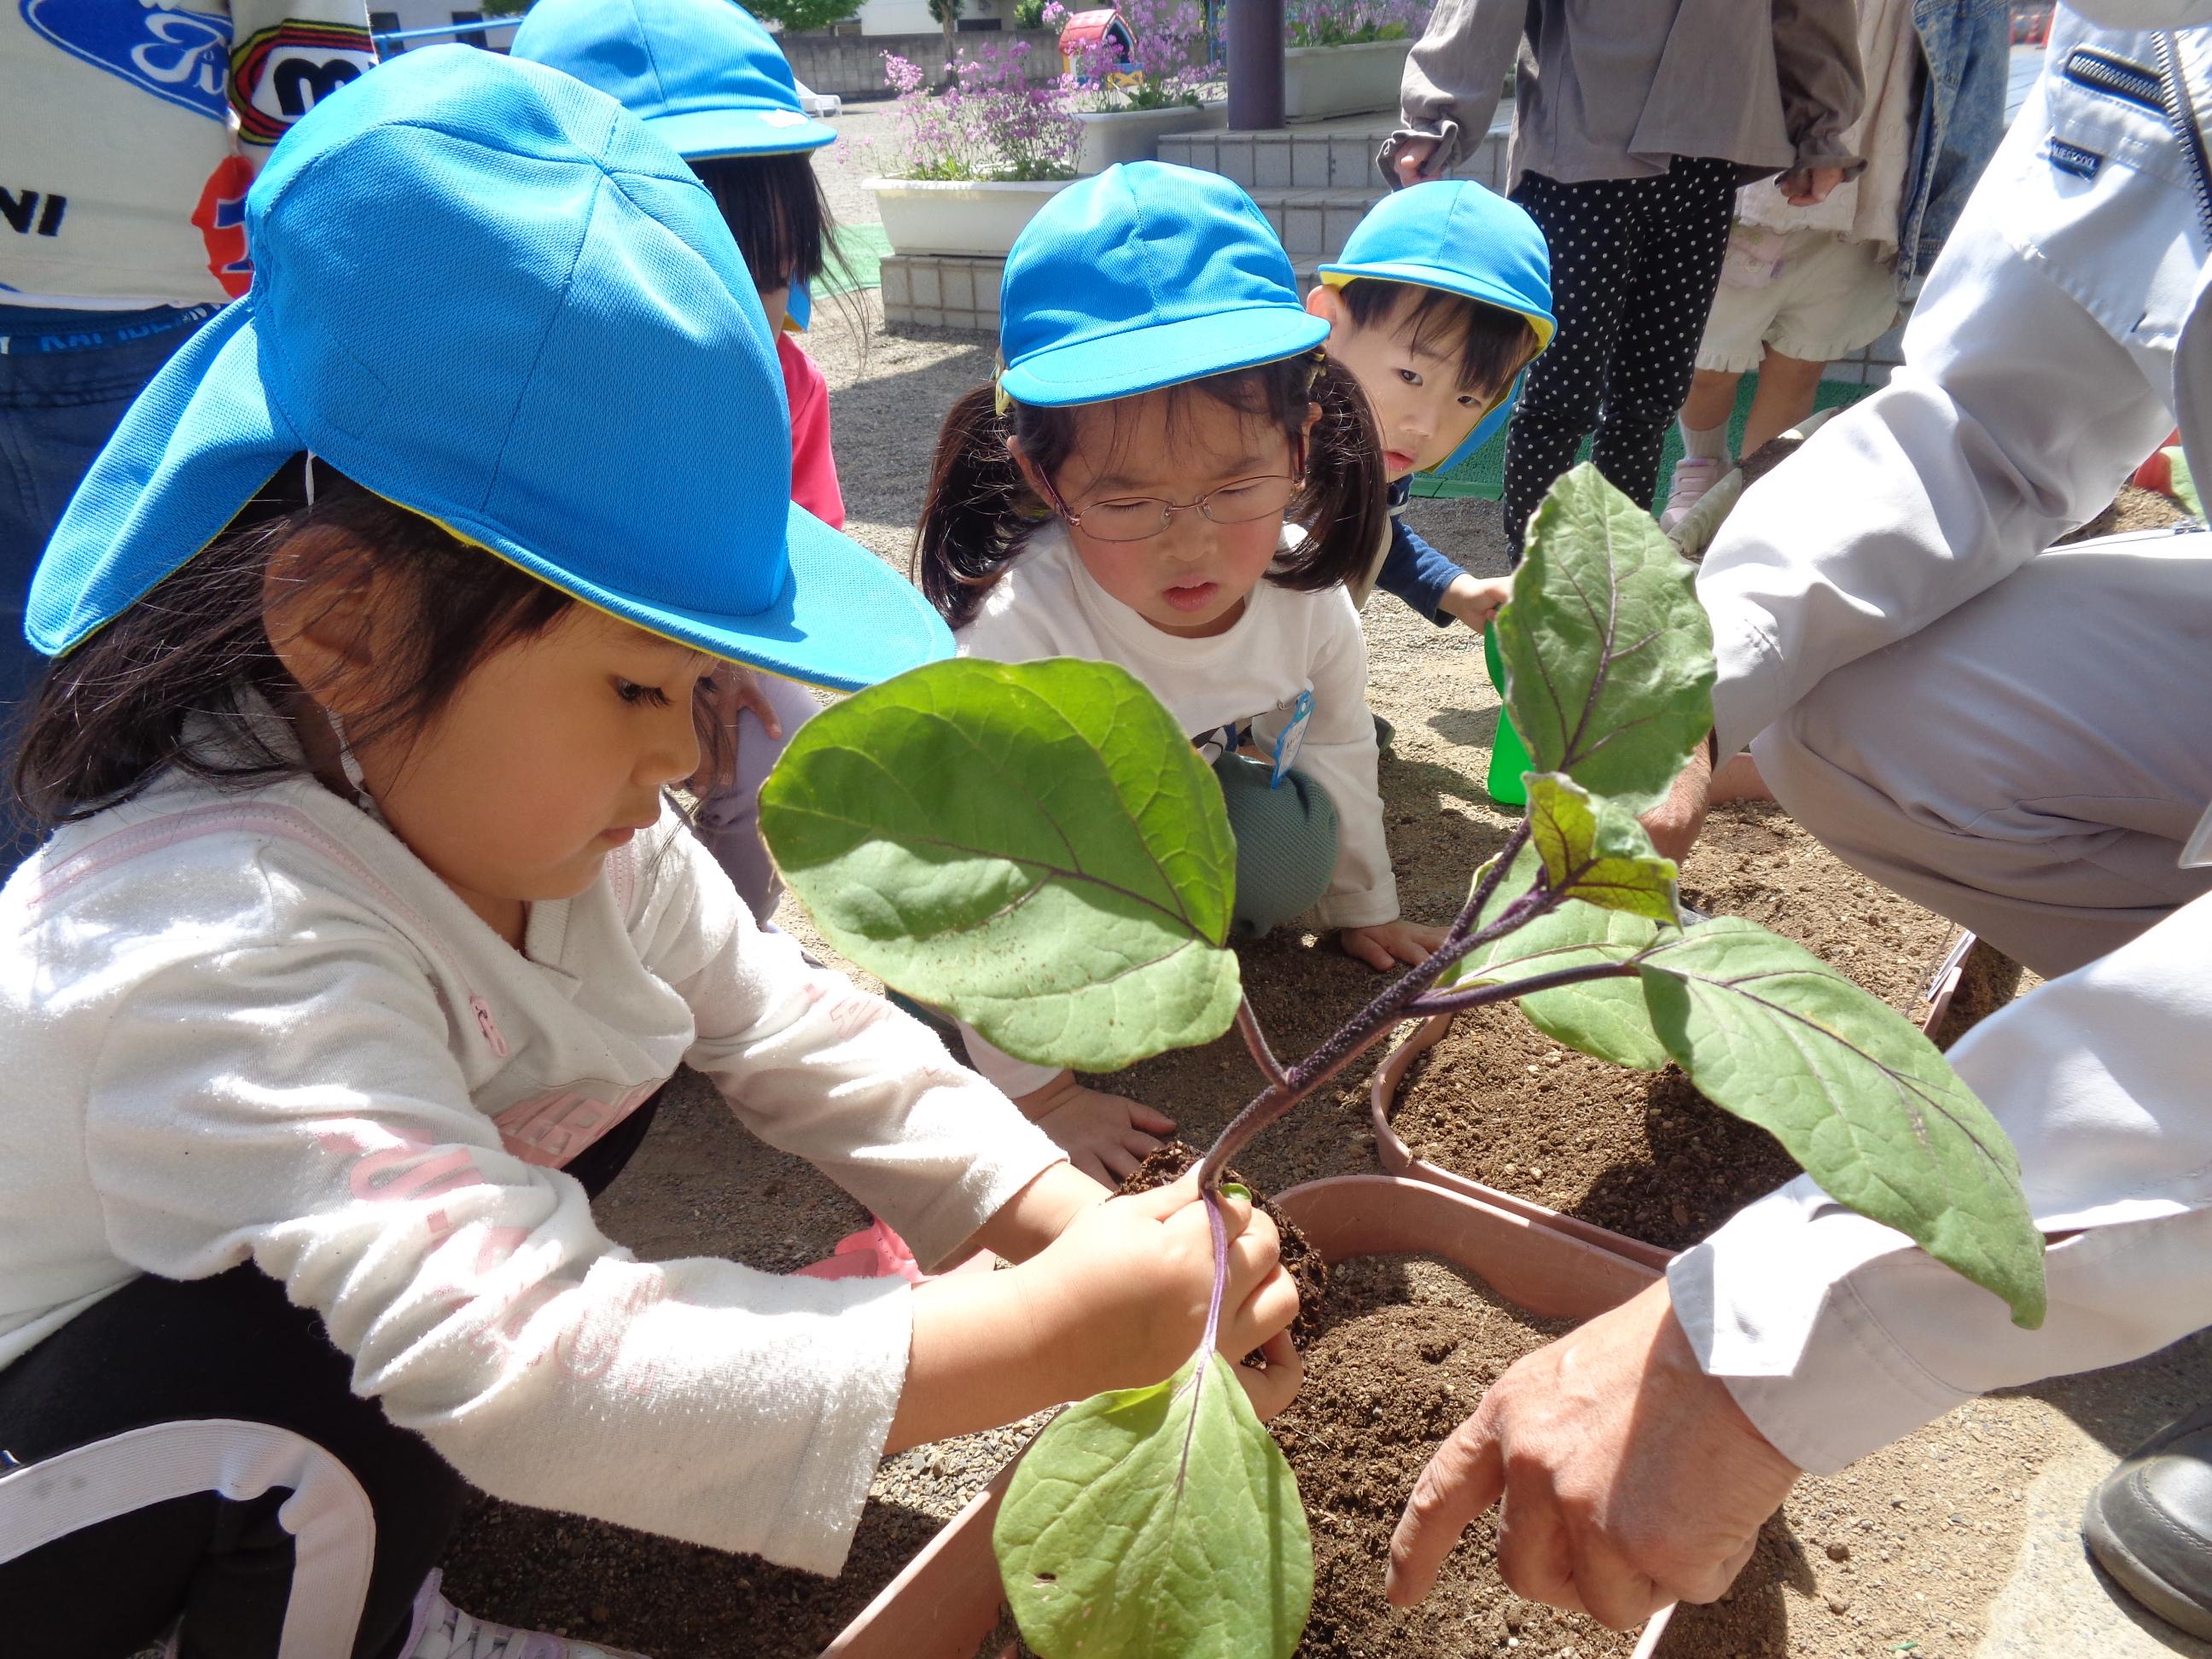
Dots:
(2132, 509)
(1644, 1153)
(1408, 1345)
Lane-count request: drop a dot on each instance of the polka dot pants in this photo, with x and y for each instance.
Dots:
(1634, 264)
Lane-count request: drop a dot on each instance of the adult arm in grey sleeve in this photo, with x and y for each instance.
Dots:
(1837, 1336)
(1455, 73)
(1816, 58)
(2015, 416)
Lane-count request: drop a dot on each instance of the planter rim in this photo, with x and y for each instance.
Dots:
(933, 185)
(949, 1590)
(1398, 1160)
(1404, 43)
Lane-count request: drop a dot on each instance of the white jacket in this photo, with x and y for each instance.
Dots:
(252, 1026)
(2061, 332)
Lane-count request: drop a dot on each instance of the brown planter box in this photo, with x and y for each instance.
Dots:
(948, 1599)
(1397, 1159)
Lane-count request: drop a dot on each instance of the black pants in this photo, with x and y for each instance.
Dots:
(230, 1412)
(1634, 264)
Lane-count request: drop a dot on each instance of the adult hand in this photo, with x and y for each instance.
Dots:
(1410, 155)
(1809, 186)
(1675, 823)
(1627, 1477)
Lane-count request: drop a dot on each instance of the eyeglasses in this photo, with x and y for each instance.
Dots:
(1140, 518)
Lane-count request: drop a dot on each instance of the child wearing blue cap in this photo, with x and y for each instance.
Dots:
(706, 78)
(1170, 475)
(365, 939)
(1441, 298)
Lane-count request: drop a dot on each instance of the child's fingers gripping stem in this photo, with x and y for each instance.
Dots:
(1119, 1300)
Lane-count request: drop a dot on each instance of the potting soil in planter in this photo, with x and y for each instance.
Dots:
(1643, 1153)
(1406, 1348)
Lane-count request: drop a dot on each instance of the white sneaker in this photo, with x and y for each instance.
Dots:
(1693, 478)
(442, 1631)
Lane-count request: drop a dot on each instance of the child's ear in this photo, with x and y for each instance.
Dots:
(319, 606)
(1326, 303)
(1032, 475)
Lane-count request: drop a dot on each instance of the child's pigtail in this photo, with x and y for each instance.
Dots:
(1343, 506)
(978, 509)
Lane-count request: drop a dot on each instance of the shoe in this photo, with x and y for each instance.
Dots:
(2149, 1523)
(442, 1631)
(1693, 478)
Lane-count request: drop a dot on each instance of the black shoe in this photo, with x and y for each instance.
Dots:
(2149, 1523)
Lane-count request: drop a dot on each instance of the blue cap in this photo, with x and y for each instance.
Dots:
(485, 293)
(705, 77)
(1457, 235)
(1143, 276)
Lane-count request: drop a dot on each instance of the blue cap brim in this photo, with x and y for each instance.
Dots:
(799, 308)
(205, 438)
(1141, 360)
(710, 135)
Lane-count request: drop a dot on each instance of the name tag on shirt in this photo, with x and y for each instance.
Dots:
(1292, 738)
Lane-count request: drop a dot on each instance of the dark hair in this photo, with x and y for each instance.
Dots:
(979, 510)
(777, 209)
(1494, 343)
(113, 713)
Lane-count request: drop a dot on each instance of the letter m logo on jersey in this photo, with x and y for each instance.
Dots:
(281, 73)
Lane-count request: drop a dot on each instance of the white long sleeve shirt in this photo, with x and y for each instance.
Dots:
(252, 1026)
(1046, 604)
(2062, 330)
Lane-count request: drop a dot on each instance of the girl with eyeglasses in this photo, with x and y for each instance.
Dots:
(1168, 475)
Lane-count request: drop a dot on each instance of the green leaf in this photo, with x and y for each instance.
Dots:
(1606, 1017)
(1853, 1092)
(1608, 655)
(1159, 1521)
(1596, 851)
(1035, 848)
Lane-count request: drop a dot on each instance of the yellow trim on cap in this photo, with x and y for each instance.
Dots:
(1545, 327)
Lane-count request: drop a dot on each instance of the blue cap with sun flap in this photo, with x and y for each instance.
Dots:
(1146, 275)
(1457, 235)
(459, 259)
(703, 75)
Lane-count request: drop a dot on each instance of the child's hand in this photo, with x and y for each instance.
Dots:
(1388, 943)
(732, 689)
(1475, 601)
(1105, 1136)
(1126, 1287)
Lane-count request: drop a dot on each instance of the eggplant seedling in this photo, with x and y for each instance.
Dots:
(1039, 850)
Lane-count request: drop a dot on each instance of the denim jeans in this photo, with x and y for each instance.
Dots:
(65, 379)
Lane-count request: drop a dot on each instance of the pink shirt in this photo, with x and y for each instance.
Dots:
(813, 468)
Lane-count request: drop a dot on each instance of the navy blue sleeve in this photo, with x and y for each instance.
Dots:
(1418, 574)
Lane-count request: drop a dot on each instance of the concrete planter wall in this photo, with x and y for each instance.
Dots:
(929, 216)
(1134, 135)
(1319, 82)
(948, 1599)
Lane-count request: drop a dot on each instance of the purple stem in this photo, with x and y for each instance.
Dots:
(1354, 1038)
(1453, 1002)
(1220, 1269)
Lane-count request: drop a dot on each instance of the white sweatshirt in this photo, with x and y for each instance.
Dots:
(252, 1026)
(1046, 604)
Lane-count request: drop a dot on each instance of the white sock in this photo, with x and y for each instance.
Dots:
(1709, 444)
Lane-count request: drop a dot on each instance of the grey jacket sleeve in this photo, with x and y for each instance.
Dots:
(1455, 76)
(1816, 58)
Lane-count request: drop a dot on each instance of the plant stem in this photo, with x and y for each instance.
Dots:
(1359, 1034)
(1453, 1002)
(1248, 1021)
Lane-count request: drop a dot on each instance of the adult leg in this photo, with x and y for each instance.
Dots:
(1286, 841)
(1560, 399)
(1670, 264)
(729, 819)
(2030, 764)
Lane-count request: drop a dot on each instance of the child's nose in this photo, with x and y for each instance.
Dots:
(674, 750)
